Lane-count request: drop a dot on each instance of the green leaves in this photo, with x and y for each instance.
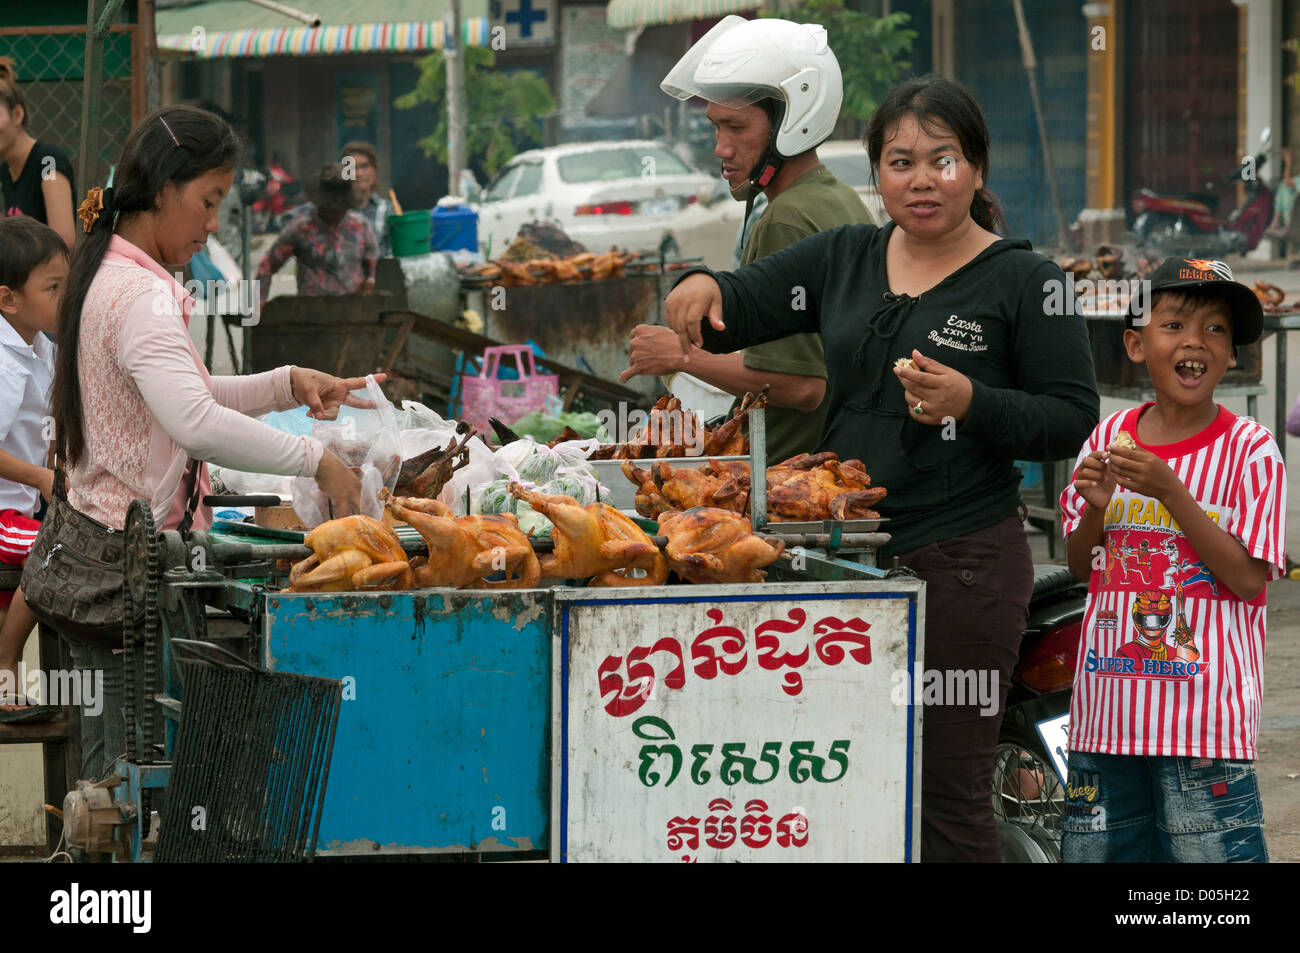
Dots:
(872, 51)
(505, 109)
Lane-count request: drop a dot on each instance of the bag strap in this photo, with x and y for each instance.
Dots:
(192, 504)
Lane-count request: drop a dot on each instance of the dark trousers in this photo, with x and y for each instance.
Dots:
(977, 591)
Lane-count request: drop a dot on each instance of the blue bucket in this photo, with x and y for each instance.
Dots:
(454, 228)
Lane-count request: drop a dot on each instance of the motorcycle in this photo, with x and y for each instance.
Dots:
(1029, 762)
(1187, 224)
(281, 196)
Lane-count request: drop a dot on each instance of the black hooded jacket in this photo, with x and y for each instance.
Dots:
(1035, 392)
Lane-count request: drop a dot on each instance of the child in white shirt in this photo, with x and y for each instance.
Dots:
(33, 268)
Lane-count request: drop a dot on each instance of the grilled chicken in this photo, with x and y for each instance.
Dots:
(827, 491)
(597, 541)
(355, 552)
(729, 439)
(807, 487)
(706, 544)
(649, 501)
(439, 465)
(464, 550)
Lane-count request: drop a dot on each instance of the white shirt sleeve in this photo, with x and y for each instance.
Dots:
(157, 353)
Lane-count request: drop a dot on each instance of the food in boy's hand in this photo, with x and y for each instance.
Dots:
(906, 362)
(1124, 440)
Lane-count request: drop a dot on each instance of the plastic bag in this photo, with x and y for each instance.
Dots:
(364, 438)
(243, 483)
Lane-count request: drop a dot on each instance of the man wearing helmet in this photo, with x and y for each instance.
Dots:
(774, 94)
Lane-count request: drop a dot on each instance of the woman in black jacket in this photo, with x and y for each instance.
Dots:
(1002, 373)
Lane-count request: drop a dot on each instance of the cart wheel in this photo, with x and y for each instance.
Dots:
(1027, 796)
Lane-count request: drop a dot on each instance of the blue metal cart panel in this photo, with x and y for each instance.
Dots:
(443, 740)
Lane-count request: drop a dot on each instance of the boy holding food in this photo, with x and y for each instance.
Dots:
(1168, 683)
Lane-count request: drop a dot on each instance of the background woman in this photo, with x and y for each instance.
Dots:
(136, 413)
(37, 178)
(998, 377)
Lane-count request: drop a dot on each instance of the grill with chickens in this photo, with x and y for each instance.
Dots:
(443, 629)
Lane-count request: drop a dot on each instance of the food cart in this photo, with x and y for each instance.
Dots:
(763, 721)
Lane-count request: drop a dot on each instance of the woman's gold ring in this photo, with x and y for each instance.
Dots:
(917, 409)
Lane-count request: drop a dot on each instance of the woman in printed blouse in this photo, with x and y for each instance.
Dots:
(137, 415)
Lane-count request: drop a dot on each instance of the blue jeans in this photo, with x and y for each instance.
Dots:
(1127, 808)
(103, 735)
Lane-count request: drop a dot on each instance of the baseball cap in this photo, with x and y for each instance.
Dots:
(1206, 275)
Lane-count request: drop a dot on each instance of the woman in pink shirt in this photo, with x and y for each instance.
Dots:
(136, 412)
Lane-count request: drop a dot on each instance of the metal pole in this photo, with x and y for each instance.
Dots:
(1027, 54)
(758, 468)
(311, 19)
(91, 89)
(456, 108)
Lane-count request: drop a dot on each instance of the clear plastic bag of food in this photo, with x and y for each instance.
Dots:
(365, 438)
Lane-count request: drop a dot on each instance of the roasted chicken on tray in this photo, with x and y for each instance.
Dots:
(808, 487)
(706, 544)
(355, 552)
(465, 550)
(672, 430)
(595, 540)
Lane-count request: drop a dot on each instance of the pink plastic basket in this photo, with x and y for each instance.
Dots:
(489, 396)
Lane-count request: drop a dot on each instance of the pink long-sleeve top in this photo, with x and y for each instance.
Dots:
(149, 405)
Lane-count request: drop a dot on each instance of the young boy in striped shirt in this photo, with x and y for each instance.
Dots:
(1176, 518)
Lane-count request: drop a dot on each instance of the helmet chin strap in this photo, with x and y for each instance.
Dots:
(760, 177)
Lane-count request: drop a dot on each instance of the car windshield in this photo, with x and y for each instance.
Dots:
(853, 170)
(500, 187)
(603, 165)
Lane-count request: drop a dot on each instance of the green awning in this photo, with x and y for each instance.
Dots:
(234, 28)
(629, 14)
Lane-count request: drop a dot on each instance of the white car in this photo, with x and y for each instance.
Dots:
(847, 160)
(601, 193)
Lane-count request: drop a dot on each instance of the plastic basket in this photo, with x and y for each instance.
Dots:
(488, 395)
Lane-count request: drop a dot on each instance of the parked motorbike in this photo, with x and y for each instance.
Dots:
(1187, 223)
(282, 194)
(1029, 760)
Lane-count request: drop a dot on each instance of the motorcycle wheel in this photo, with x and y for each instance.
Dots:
(1158, 230)
(1027, 796)
(1019, 847)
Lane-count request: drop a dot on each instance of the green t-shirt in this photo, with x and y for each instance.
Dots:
(815, 202)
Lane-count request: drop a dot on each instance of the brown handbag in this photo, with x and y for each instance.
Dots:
(73, 577)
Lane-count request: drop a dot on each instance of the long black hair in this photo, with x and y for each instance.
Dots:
(175, 144)
(934, 100)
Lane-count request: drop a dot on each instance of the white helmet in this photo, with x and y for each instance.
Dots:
(741, 61)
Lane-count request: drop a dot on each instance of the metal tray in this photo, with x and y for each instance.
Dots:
(623, 491)
(825, 526)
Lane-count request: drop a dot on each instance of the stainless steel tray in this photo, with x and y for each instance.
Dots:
(826, 526)
(623, 491)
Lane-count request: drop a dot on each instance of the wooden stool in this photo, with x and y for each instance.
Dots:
(60, 737)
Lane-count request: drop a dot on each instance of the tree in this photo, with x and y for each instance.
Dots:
(871, 50)
(505, 109)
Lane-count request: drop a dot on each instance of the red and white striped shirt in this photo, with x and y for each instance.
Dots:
(1170, 661)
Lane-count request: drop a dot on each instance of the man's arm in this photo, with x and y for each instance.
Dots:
(654, 350)
(274, 259)
(57, 192)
